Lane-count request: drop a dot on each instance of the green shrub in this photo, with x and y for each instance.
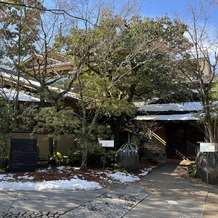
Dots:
(117, 168)
(3, 164)
(57, 159)
(73, 157)
(101, 158)
(192, 170)
(145, 155)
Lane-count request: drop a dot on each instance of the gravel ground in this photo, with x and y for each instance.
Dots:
(116, 201)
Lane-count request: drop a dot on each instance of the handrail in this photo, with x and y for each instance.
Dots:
(158, 138)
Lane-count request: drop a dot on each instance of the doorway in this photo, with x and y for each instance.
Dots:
(176, 140)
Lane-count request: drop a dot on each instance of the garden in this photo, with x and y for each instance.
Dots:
(82, 76)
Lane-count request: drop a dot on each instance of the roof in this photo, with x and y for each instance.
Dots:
(171, 117)
(177, 107)
(11, 95)
(31, 84)
(173, 112)
(55, 65)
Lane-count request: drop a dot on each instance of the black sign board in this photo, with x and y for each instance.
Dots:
(23, 155)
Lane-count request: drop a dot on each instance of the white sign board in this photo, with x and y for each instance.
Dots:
(107, 143)
(208, 147)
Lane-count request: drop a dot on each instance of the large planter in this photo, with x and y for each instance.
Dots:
(207, 167)
(128, 157)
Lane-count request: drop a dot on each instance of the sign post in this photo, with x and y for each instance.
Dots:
(208, 147)
(105, 144)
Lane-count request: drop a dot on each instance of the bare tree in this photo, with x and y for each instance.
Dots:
(204, 59)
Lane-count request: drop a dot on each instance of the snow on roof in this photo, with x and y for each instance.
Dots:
(172, 117)
(11, 94)
(32, 84)
(35, 56)
(186, 106)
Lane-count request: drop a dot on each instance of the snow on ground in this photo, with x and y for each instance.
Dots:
(123, 177)
(73, 184)
(7, 182)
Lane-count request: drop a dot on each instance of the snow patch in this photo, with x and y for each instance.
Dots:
(73, 184)
(123, 177)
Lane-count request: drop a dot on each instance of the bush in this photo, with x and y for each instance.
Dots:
(145, 155)
(192, 170)
(73, 157)
(3, 164)
(101, 158)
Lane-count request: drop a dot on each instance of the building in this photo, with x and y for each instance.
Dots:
(28, 94)
(178, 133)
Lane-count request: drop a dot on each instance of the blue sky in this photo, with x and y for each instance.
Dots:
(174, 8)
(158, 8)
(153, 7)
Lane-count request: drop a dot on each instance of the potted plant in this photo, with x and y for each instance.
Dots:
(207, 157)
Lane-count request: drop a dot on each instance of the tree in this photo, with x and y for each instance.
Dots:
(18, 32)
(167, 42)
(116, 60)
(113, 59)
(26, 31)
(55, 123)
(5, 127)
(6, 122)
(203, 61)
(159, 76)
(200, 71)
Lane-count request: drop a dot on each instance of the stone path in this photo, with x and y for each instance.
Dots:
(112, 201)
(161, 194)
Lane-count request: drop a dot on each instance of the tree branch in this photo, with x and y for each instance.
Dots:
(42, 8)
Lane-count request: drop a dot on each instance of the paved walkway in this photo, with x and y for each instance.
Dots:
(171, 195)
(164, 193)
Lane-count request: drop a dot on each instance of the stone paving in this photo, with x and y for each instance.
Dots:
(164, 193)
(113, 201)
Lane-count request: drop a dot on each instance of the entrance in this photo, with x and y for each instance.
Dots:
(176, 140)
(183, 140)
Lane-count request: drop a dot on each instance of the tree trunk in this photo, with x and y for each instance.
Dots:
(84, 166)
(54, 151)
(55, 145)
